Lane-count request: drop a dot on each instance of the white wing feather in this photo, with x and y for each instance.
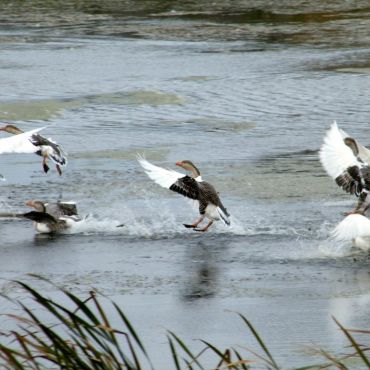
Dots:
(335, 155)
(19, 143)
(351, 227)
(161, 176)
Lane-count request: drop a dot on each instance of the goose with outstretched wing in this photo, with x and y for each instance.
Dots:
(46, 148)
(193, 187)
(52, 217)
(346, 161)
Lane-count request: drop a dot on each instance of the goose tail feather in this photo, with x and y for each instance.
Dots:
(224, 216)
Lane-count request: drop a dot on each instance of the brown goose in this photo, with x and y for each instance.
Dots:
(52, 217)
(346, 161)
(43, 147)
(192, 187)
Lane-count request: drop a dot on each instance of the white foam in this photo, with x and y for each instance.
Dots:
(334, 248)
(92, 225)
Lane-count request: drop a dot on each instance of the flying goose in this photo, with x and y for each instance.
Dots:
(52, 217)
(346, 161)
(42, 146)
(192, 187)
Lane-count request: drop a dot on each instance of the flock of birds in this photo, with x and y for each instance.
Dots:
(54, 217)
(343, 158)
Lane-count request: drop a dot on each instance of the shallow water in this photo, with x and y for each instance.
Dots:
(247, 94)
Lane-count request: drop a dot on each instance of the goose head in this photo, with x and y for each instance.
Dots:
(189, 166)
(11, 129)
(37, 205)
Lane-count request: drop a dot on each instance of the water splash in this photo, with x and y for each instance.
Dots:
(333, 249)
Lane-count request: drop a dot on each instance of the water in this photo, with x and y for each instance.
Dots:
(245, 92)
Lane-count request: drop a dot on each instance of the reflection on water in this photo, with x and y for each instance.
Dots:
(202, 271)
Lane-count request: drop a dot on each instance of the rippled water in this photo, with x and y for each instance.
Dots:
(246, 92)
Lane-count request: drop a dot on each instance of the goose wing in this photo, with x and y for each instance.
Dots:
(186, 186)
(173, 180)
(60, 209)
(19, 143)
(340, 162)
(351, 227)
(42, 217)
(68, 208)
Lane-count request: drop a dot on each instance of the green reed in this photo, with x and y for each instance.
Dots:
(81, 337)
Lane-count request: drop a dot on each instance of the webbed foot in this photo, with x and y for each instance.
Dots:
(190, 226)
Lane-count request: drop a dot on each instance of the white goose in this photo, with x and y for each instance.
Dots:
(192, 187)
(46, 148)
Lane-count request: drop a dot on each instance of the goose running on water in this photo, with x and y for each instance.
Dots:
(346, 161)
(52, 217)
(193, 187)
(46, 148)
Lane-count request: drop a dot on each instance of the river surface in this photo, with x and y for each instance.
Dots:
(247, 93)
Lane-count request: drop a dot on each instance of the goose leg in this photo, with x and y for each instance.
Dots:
(355, 211)
(194, 224)
(362, 205)
(58, 169)
(206, 227)
(44, 165)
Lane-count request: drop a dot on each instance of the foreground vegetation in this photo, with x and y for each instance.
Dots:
(81, 337)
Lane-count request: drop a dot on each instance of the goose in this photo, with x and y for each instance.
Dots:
(192, 187)
(52, 217)
(346, 161)
(42, 146)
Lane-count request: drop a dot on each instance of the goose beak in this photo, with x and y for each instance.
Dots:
(179, 164)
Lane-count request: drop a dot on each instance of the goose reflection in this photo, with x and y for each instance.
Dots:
(203, 274)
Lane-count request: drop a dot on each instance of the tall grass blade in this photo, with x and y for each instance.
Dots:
(174, 353)
(241, 360)
(260, 341)
(359, 351)
(186, 350)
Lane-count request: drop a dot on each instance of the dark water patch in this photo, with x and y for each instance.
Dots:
(267, 16)
(340, 24)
